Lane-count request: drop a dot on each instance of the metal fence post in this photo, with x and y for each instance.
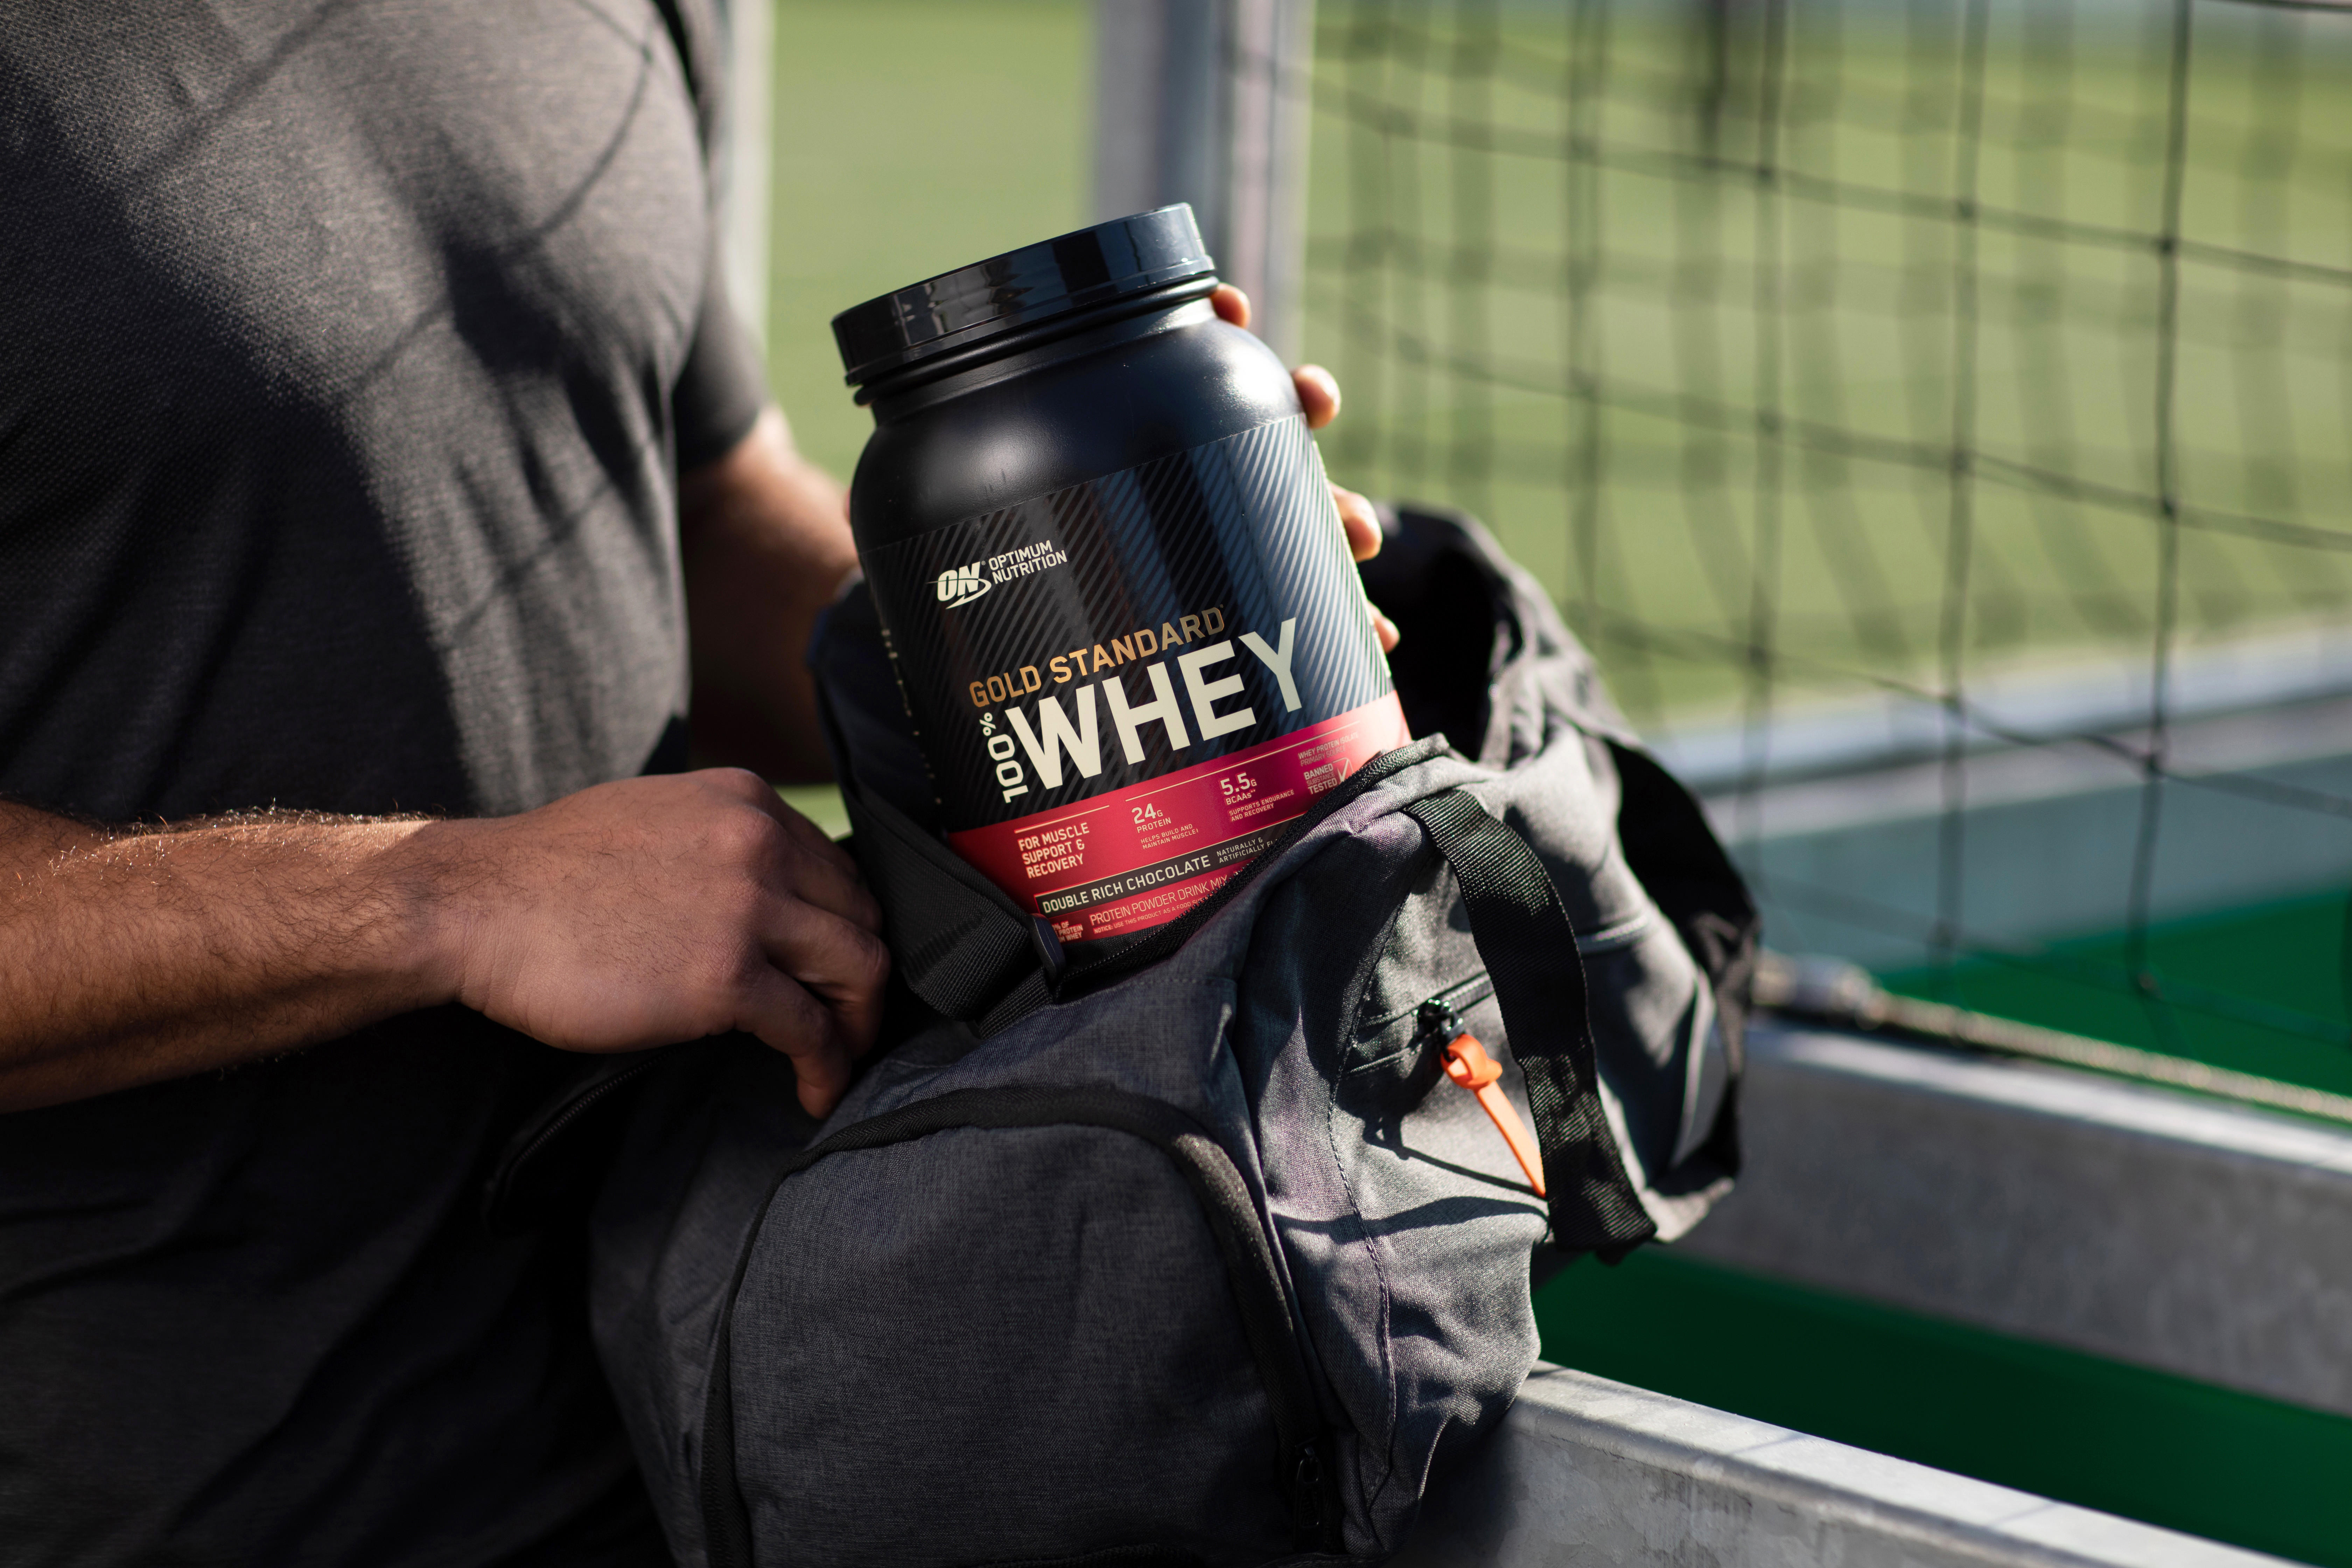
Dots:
(745, 170)
(1206, 101)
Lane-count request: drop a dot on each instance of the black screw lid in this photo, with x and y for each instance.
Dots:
(1020, 289)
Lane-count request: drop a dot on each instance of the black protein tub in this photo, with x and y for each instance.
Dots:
(1118, 598)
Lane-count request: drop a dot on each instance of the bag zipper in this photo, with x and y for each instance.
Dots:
(1469, 1067)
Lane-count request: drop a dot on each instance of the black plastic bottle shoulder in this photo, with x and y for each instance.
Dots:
(1034, 420)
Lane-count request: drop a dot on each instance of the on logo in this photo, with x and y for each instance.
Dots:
(963, 585)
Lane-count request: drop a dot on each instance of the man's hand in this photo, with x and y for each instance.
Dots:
(1318, 396)
(634, 914)
(657, 909)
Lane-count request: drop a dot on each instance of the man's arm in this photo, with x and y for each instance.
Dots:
(633, 914)
(764, 534)
(637, 913)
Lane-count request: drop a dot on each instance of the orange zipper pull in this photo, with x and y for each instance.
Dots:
(1467, 1064)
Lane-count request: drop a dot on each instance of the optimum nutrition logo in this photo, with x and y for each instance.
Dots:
(963, 585)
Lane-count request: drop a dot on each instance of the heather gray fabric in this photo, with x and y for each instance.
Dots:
(1021, 1345)
(999, 1334)
(347, 350)
(687, 1184)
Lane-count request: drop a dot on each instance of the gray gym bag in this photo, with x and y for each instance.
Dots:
(1195, 1256)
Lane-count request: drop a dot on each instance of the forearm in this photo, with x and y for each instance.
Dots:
(128, 958)
(766, 544)
(631, 914)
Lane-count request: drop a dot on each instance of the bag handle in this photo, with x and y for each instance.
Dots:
(1529, 946)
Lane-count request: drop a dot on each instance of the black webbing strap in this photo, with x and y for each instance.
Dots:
(956, 941)
(1529, 948)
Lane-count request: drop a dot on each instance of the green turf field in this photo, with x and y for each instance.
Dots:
(1449, 237)
(2053, 1422)
(1709, 405)
(2261, 990)
(911, 136)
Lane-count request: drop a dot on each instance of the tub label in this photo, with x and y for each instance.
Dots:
(1125, 687)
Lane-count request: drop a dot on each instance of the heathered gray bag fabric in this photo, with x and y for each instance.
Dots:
(1200, 1258)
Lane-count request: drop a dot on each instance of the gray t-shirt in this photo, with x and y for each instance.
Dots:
(348, 353)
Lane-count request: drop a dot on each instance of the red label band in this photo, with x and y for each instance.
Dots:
(1132, 858)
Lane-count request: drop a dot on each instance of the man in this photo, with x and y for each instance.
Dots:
(373, 430)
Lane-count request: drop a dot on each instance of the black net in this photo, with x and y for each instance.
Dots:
(1948, 401)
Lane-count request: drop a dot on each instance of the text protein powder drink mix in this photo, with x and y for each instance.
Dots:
(1118, 598)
